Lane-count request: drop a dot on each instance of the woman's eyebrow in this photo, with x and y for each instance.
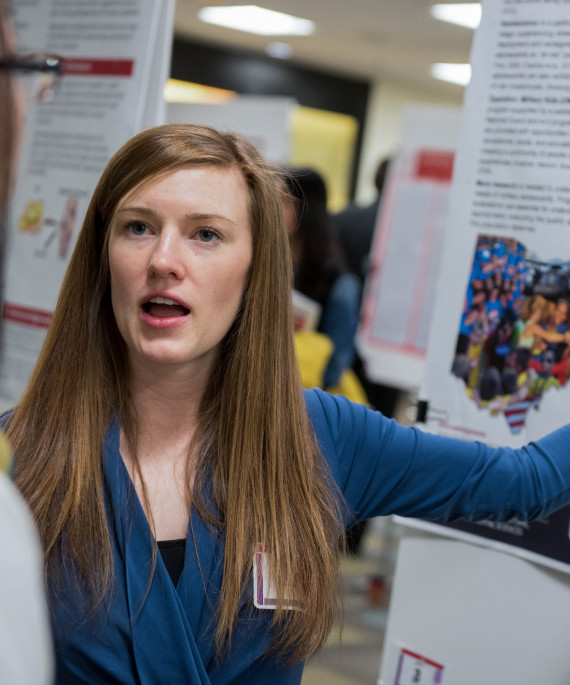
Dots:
(139, 210)
(192, 216)
(204, 216)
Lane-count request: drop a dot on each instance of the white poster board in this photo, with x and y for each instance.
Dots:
(116, 60)
(506, 262)
(507, 251)
(405, 254)
(264, 121)
(491, 616)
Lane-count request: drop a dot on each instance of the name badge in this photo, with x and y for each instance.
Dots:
(264, 593)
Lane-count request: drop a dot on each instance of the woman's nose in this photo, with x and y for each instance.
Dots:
(165, 259)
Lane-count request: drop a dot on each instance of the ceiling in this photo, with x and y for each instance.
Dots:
(394, 40)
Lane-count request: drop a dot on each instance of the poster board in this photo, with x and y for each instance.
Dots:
(505, 270)
(116, 60)
(490, 601)
(264, 121)
(508, 244)
(405, 255)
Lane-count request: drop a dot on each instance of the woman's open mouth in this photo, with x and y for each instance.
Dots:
(164, 308)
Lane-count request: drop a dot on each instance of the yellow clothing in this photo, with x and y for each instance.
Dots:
(538, 386)
(313, 354)
(5, 455)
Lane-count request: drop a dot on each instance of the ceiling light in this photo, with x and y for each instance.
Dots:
(466, 14)
(454, 73)
(279, 50)
(255, 19)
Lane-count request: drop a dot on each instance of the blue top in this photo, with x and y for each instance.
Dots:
(163, 633)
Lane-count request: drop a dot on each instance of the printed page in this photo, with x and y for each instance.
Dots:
(499, 348)
(99, 102)
(498, 353)
(406, 250)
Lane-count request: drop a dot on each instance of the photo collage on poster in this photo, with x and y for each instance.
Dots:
(514, 335)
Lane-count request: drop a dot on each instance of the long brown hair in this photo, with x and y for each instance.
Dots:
(253, 437)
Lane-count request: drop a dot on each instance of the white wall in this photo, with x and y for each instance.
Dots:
(382, 128)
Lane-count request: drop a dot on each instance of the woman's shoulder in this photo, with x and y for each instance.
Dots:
(6, 417)
(319, 401)
(326, 412)
(337, 416)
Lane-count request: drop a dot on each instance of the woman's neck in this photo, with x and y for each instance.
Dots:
(166, 401)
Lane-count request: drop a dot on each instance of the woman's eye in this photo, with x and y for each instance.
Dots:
(137, 228)
(207, 235)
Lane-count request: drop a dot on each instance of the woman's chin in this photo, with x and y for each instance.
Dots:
(170, 357)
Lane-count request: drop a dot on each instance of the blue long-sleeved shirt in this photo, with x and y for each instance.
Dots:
(163, 633)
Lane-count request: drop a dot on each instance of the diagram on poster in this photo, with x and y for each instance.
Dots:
(58, 232)
(512, 343)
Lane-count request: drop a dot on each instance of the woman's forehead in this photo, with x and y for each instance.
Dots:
(157, 178)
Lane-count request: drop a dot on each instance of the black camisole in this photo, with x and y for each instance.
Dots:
(172, 553)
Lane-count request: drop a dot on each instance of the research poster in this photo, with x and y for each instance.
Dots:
(115, 62)
(399, 294)
(498, 355)
(497, 358)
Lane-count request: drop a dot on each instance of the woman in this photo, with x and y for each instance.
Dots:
(166, 406)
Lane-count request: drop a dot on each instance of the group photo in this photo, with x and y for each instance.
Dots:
(512, 344)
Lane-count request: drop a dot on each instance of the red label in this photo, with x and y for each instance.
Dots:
(434, 165)
(31, 317)
(76, 66)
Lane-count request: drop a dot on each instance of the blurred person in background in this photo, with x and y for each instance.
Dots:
(25, 642)
(321, 273)
(320, 270)
(355, 226)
